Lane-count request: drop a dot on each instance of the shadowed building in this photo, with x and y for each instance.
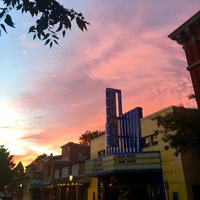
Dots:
(188, 35)
(69, 181)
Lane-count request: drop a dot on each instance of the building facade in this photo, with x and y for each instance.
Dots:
(59, 177)
(188, 35)
(69, 181)
(143, 170)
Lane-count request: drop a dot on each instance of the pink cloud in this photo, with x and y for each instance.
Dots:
(127, 48)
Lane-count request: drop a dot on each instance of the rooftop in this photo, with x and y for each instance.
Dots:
(191, 21)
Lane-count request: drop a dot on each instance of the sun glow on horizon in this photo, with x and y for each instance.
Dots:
(8, 116)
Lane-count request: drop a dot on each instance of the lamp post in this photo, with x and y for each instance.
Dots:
(70, 183)
(21, 190)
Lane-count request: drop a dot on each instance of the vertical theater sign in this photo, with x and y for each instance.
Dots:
(112, 116)
(123, 133)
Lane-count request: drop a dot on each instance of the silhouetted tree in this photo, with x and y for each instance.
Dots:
(51, 17)
(181, 129)
(40, 157)
(6, 166)
(89, 135)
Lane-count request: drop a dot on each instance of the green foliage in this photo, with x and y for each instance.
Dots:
(6, 166)
(40, 157)
(195, 97)
(89, 135)
(51, 18)
(181, 129)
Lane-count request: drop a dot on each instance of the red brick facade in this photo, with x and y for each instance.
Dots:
(72, 151)
(188, 35)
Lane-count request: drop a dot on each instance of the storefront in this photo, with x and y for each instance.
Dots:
(70, 190)
(132, 186)
(128, 176)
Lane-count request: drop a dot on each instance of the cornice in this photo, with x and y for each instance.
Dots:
(184, 27)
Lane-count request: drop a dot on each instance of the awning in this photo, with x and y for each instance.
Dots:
(76, 179)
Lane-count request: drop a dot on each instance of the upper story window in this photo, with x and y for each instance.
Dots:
(60, 172)
(150, 140)
(63, 151)
(154, 139)
(145, 142)
(70, 170)
(49, 170)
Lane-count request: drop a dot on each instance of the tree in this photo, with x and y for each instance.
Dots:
(90, 135)
(51, 18)
(6, 166)
(181, 129)
(40, 157)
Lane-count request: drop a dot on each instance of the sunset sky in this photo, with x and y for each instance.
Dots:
(49, 97)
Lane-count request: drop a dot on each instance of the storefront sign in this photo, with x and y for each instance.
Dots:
(145, 161)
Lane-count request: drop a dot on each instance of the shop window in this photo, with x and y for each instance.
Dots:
(145, 142)
(154, 139)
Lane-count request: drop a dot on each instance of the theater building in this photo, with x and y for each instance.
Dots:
(130, 161)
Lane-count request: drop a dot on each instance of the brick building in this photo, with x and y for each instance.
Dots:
(188, 35)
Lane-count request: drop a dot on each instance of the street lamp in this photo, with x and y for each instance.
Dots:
(21, 191)
(70, 188)
(70, 178)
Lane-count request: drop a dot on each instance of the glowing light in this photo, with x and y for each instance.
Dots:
(8, 116)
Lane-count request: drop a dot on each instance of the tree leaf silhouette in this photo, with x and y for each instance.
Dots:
(8, 21)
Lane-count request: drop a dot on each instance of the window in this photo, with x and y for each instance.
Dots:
(70, 170)
(154, 139)
(145, 142)
(63, 151)
(60, 172)
(49, 170)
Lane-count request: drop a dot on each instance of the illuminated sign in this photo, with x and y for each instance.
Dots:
(143, 161)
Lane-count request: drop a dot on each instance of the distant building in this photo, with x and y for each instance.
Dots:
(59, 177)
(16, 185)
(69, 180)
(19, 169)
(188, 35)
(38, 178)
